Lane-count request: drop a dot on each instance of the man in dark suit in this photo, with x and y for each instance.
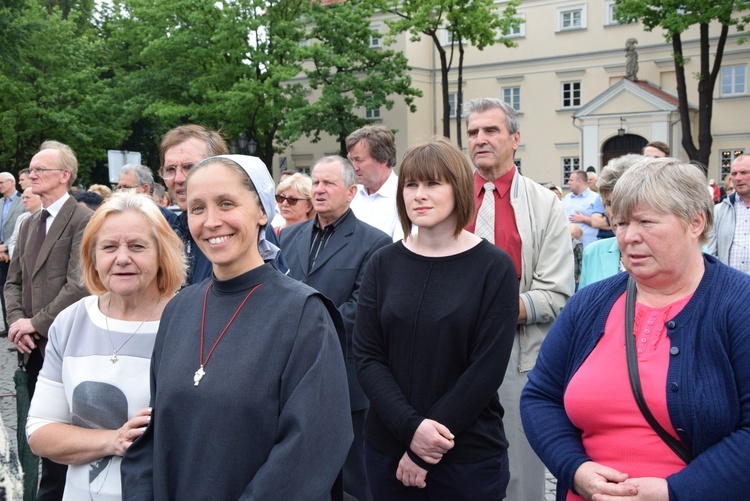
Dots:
(12, 208)
(330, 253)
(44, 275)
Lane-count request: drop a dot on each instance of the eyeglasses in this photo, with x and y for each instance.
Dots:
(290, 200)
(40, 170)
(170, 171)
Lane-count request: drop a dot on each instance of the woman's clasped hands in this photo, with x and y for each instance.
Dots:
(601, 483)
(430, 442)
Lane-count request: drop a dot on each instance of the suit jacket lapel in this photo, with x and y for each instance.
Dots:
(59, 222)
(338, 241)
(300, 252)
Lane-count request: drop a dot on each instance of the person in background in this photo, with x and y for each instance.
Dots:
(23, 179)
(578, 205)
(691, 326)
(330, 253)
(101, 190)
(730, 239)
(140, 179)
(728, 187)
(91, 400)
(656, 149)
(575, 239)
(434, 331)
(294, 199)
(531, 227)
(44, 277)
(250, 355)
(89, 199)
(601, 259)
(12, 207)
(31, 204)
(372, 152)
(591, 178)
(161, 196)
(278, 220)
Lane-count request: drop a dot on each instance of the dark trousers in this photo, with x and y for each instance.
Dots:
(355, 476)
(3, 277)
(52, 484)
(485, 480)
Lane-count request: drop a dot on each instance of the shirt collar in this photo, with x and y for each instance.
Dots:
(388, 190)
(502, 184)
(56, 206)
(334, 225)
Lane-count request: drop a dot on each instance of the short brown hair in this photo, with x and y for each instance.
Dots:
(659, 145)
(172, 264)
(215, 144)
(438, 159)
(380, 140)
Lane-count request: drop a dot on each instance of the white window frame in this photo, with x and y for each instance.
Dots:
(373, 113)
(572, 104)
(452, 99)
(735, 88)
(609, 13)
(515, 97)
(561, 12)
(568, 165)
(446, 37)
(376, 37)
(520, 30)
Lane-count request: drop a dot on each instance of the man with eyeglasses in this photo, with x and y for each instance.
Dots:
(330, 253)
(12, 208)
(140, 179)
(181, 148)
(44, 275)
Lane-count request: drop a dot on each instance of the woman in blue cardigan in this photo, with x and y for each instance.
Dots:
(691, 328)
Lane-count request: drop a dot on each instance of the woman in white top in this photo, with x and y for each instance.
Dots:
(92, 396)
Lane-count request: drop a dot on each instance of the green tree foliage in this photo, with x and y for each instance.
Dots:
(347, 71)
(675, 17)
(53, 86)
(476, 22)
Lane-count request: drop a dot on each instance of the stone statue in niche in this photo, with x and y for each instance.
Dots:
(631, 59)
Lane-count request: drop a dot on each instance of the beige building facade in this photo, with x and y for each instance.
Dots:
(567, 80)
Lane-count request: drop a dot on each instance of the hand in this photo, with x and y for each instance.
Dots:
(410, 474)
(132, 429)
(594, 479)
(578, 217)
(649, 489)
(431, 441)
(23, 335)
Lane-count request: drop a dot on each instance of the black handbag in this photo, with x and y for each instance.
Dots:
(635, 380)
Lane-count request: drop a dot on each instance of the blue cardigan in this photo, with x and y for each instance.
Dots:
(708, 383)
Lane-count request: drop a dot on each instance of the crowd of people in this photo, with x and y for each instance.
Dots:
(447, 332)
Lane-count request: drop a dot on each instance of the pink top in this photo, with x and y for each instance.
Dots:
(600, 402)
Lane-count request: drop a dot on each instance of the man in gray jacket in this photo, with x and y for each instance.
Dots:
(528, 222)
(729, 239)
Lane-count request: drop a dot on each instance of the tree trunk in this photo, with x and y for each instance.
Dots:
(460, 91)
(687, 136)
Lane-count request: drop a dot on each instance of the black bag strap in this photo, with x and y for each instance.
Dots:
(635, 380)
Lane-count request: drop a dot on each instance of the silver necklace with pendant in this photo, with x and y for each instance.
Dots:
(114, 359)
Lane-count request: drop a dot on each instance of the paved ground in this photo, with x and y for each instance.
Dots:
(8, 364)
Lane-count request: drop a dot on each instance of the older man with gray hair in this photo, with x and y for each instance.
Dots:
(140, 179)
(12, 208)
(528, 222)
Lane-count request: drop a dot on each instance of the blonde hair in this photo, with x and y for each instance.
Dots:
(303, 184)
(104, 191)
(172, 263)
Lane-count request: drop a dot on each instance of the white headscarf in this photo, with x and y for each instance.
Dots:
(258, 173)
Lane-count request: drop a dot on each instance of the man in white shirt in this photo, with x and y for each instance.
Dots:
(578, 205)
(372, 151)
(729, 239)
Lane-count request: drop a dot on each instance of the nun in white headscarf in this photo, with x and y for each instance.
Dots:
(248, 385)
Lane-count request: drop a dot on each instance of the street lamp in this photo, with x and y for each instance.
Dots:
(251, 144)
(621, 130)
